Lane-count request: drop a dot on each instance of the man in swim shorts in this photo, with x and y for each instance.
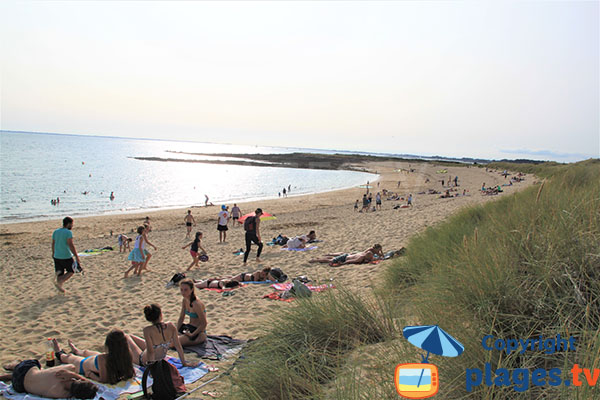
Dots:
(63, 251)
(54, 383)
(236, 213)
(189, 221)
(222, 223)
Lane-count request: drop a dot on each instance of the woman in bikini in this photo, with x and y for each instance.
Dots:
(233, 282)
(111, 367)
(195, 331)
(158, 338)
(336, 259)
(256, 276)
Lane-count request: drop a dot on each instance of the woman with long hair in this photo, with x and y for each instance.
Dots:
(158, 338)
(195, 331)
(111, 367)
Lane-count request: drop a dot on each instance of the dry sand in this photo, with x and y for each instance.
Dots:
(32, 309)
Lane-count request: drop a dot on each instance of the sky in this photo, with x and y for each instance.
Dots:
(480, 79)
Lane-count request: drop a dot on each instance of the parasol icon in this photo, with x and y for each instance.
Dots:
(434, 340)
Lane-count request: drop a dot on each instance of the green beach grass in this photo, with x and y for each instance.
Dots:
(520, 267)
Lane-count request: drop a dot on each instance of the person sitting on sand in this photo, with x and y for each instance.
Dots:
(336, 259)
(194, 332)
(54, 383)
(158, 339)
(111, 367)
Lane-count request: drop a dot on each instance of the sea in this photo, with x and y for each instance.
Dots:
(83, 171)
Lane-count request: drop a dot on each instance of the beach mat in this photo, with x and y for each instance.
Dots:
(94, 252)
(287, 286)
(216, 347)
(304, 249)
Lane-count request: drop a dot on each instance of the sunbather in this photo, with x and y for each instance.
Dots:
(335, 259)
(299, 242)
(54, 383)
(216, 283)
(113, 366)
(234, 281)
(158, 338)
(256, 276)
(194, 332)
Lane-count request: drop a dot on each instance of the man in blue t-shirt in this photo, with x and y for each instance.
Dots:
(63, 251)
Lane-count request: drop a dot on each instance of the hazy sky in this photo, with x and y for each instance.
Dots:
(469, 78)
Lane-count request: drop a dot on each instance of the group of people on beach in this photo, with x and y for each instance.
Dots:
(71, 379)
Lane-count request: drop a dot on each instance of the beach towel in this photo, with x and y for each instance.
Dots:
(277, 296)
(304, 249)
(216, 347)
(112, 392)
(94, 252)
(283, 287)
(288, 286)
(375, 261)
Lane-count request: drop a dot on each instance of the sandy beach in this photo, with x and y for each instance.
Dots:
(33, 310)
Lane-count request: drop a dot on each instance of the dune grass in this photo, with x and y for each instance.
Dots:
(523, 266)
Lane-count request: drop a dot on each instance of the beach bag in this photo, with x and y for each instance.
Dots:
(167, 383)
(176, 279)
(250, 224)
(300, 289)
(278, 274)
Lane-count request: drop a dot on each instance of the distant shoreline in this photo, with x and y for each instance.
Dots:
(293, 160)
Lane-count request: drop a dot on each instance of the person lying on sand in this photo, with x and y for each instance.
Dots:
(266, 274)
(55, 383)
(194, 332)
(216, 283)
(336, 259)
(111, 367)
(299, 242)
(158, 338)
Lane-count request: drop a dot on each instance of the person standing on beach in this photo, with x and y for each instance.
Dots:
(236, 213)
(63, 251)
(365, 203)
(205, 201)
(222, 223)
(251, 225)
(284, 192)
(378, 201)
(189, 220)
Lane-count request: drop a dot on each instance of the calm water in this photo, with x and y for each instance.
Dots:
(40, 167)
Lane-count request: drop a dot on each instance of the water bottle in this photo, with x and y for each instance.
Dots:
(49, 353)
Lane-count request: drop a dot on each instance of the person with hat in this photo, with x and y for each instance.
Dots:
(222, 223)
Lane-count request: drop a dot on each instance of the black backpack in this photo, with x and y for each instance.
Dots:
(162, 385)
(250, 224)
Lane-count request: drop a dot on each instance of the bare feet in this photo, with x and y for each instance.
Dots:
(59, 287)
(74, 349)
(258, 260)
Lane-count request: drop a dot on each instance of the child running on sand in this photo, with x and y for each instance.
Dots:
(195, 245)
(138, 255)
